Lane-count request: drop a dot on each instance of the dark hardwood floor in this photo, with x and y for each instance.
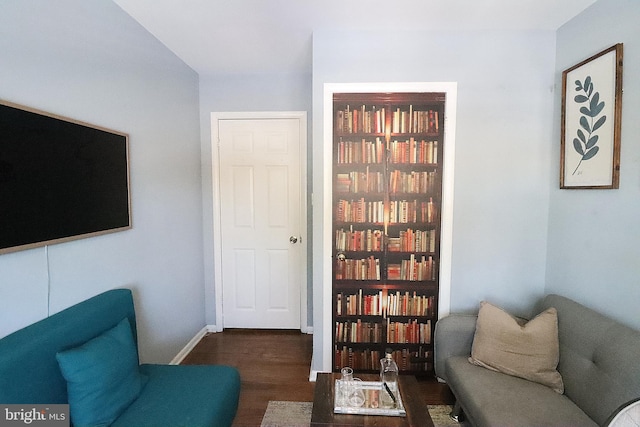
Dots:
(275, 365)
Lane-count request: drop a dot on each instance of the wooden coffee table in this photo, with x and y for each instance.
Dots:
(322, 415)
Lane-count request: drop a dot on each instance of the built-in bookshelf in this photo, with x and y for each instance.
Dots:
(387, 191)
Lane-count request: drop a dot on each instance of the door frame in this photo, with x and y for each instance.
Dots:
(301, 116)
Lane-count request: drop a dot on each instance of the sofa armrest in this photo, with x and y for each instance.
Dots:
(453, 337)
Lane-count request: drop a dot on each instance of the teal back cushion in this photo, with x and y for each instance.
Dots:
(102, 376)
(29, 371)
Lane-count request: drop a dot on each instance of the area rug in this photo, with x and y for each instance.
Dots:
(298, 414)
(287, 414)
(440, 416)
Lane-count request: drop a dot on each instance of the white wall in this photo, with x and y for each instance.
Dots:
(90, 61)
(502, 172)
(594, 255)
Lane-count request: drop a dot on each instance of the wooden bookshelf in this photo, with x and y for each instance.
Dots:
(387, 189)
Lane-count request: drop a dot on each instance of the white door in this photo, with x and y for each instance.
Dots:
(260, 224)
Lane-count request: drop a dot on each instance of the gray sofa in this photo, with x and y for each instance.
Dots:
(599, 364)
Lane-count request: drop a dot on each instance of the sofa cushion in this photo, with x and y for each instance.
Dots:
(185, 395)
(453, 337)
(102, 376)
(528, 350)
(491, 398)
(29, 371)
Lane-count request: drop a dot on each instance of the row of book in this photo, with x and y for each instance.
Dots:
(358, 269)
(361, 152)
(407, 359)
(413, 152)
(421, 121)
(360, 182)
(362, 119)
(373, 119)
(360, 211)
(410, 240)
(400, 211)
(412, 211)
(384, 303)
(369, 269)
(413, 269)
(406, 304)
(410, 332)
(360, 305)
(371, 240)
(406, 152)
(359, 332)
(412, 182)
(421, 182)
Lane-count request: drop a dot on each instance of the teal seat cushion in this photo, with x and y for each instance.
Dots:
(185, 396)
(102, 376)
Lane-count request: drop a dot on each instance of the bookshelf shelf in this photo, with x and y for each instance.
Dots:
(387, 190)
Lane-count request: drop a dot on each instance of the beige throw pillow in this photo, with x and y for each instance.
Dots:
(528, 350)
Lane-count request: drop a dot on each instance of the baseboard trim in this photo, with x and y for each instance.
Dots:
(313, 374)
(191, 344)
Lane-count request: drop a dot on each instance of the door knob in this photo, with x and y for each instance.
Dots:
(293, 239)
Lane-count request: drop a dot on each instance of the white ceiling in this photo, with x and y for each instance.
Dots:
(264, 36)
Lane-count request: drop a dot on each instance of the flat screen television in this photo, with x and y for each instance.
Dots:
(60, 179)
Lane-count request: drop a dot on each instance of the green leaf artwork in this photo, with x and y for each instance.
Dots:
(585, 143)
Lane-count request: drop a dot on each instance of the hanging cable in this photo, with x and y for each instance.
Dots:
(46, 252)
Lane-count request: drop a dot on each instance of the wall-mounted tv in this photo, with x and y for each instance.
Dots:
(60, 179)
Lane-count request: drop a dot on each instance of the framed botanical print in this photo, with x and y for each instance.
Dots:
(591, 118)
